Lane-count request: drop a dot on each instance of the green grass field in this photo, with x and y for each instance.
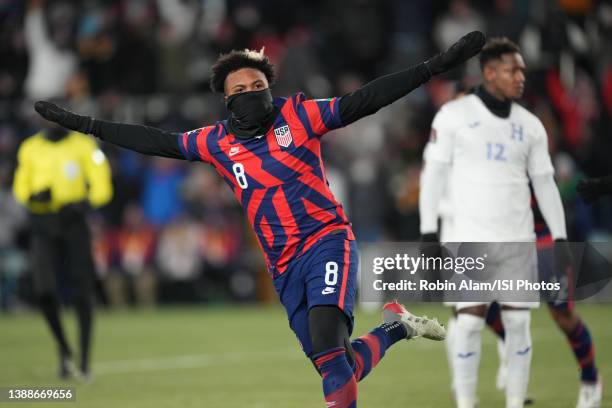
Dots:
(247, 357)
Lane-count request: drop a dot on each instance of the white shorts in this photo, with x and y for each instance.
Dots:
(505, 263)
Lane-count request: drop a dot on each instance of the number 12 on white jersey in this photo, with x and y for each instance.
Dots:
(496, 151)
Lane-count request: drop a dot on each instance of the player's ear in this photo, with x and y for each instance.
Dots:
(488, 73)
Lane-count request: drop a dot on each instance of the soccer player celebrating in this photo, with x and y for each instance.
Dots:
(268, 151)
(487, 148)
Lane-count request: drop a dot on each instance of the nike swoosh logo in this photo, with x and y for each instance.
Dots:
(466, 355)
(473, 125)
(523, 352)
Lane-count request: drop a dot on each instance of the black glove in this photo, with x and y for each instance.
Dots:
(430, 237)
(461, 51)
(430, 246)
(42, 197)
(591, 189)
(67, 119)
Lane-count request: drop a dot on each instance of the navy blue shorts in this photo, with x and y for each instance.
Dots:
(326, 274)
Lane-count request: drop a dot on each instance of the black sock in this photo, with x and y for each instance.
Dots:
(50, 309)
(84, 311)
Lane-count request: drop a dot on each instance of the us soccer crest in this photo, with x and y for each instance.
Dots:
(283, 136)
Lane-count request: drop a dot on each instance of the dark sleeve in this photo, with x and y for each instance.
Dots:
(140, 138)
(381, 92)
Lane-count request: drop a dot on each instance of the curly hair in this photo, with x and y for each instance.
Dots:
(495, 48)
(238, 59)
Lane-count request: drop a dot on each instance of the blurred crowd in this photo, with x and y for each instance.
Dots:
(174, 231)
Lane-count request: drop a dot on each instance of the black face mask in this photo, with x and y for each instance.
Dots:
(251, 113)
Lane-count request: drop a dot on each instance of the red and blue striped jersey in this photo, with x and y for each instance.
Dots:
(543, 236)
(278, 178)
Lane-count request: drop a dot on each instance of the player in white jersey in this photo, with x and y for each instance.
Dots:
(446, 218)
(487, 148)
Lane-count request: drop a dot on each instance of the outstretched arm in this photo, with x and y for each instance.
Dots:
(387, 89)
(140, 138)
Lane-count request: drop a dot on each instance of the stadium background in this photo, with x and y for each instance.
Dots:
(174, 234)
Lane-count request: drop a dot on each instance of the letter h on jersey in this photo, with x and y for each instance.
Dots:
(517, 132)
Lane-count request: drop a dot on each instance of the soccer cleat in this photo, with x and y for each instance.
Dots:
(513, 402)
(590, 395)
(466, 403)
(67, 368)
(84, 377)
(416, 326)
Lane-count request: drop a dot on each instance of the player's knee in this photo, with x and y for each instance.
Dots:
(325, 340)
(469, 323)
(517, 324)
(565, 319)
(516, 319)
(328, 328)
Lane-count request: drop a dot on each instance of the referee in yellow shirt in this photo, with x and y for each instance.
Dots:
(60, 174)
